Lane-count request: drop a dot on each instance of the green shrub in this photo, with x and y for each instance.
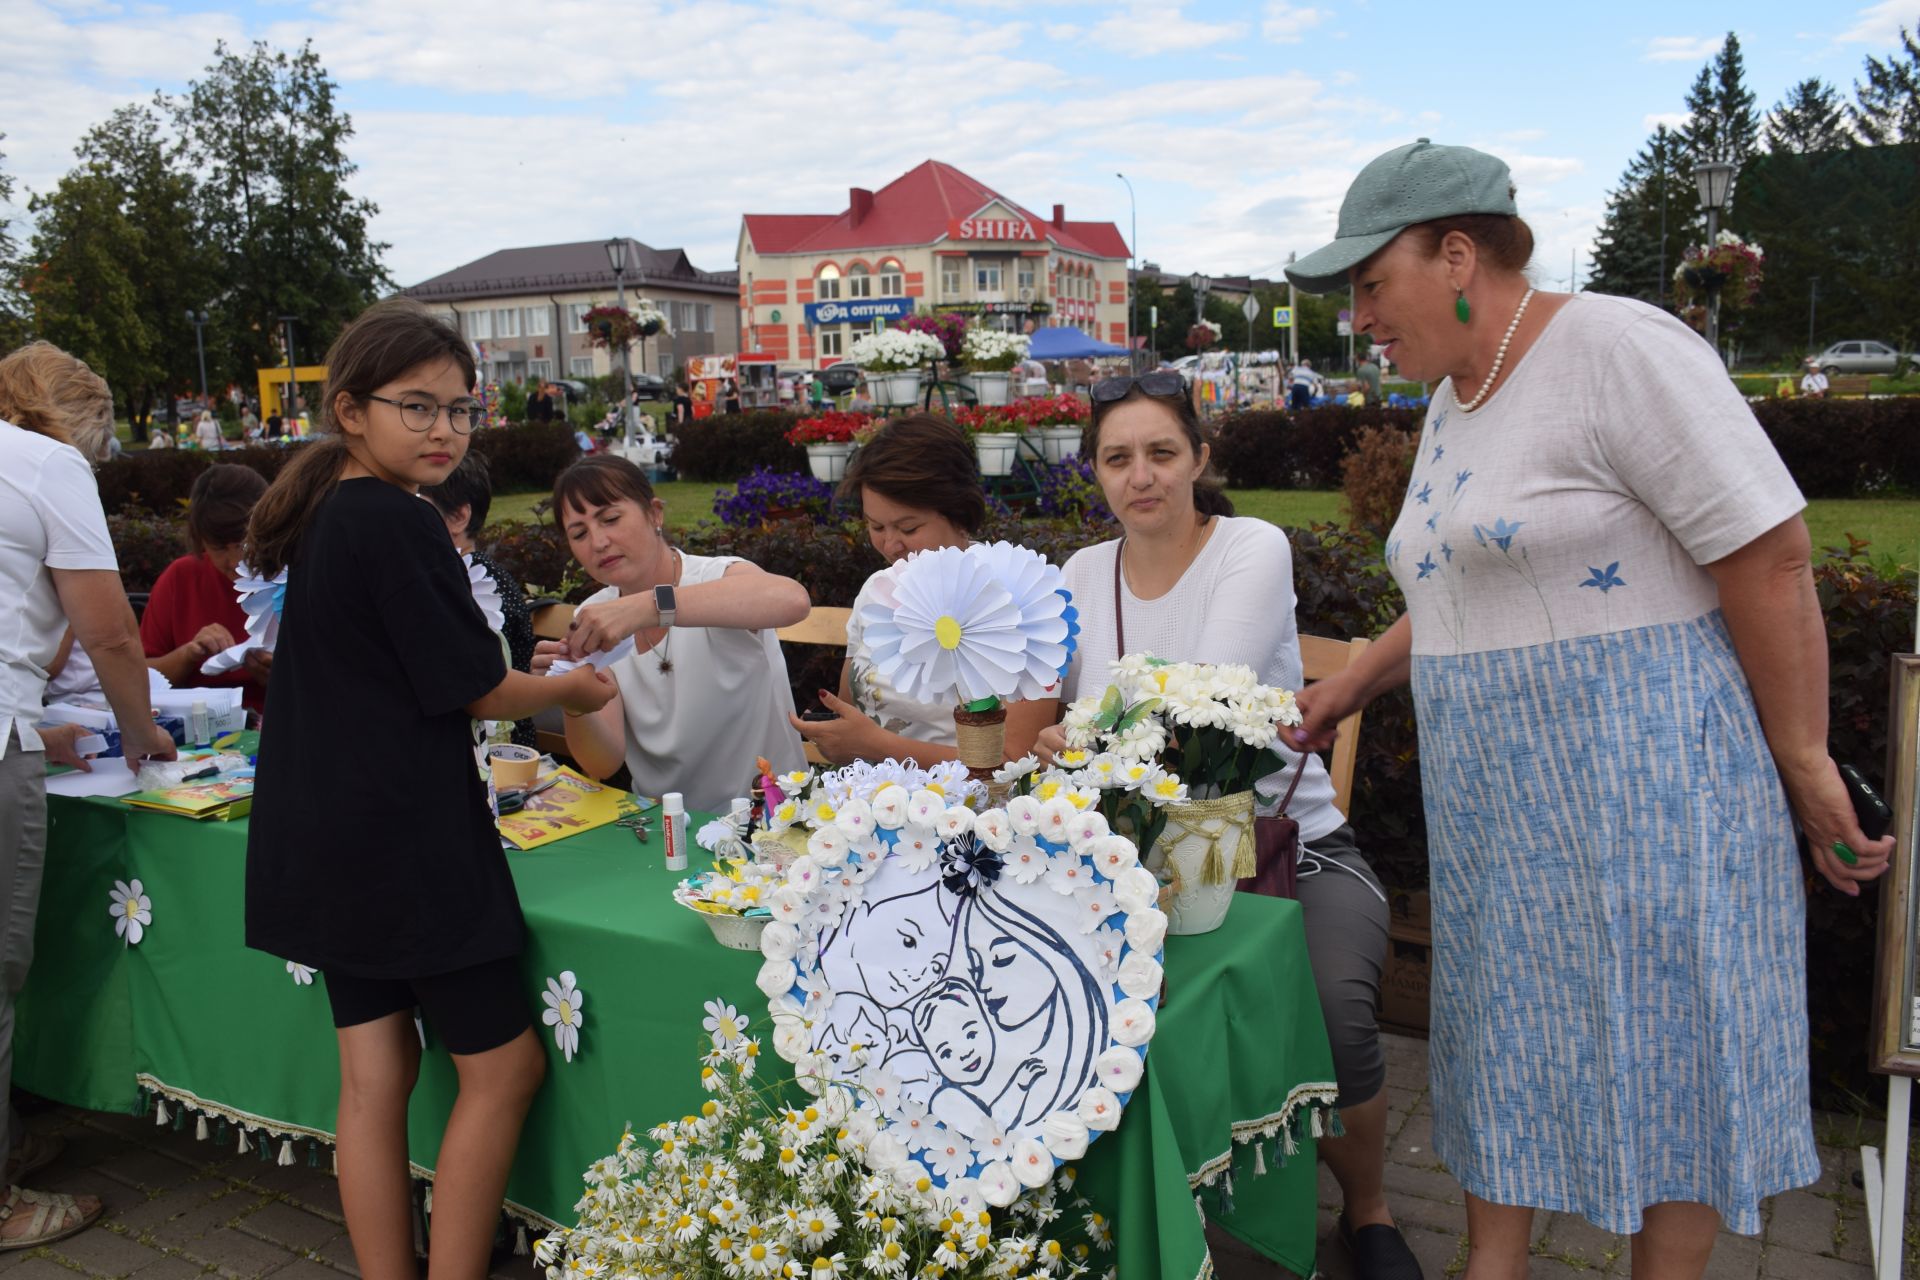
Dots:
(526, 456)
(729, 445)
(145, 544)
(159, 480)
(1375, 476)
(1276, 449)
(1846, 448)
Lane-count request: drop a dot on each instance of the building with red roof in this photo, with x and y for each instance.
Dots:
(933, 239)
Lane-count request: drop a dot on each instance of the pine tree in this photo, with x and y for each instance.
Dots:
(1723, 123)
(13, 304)
(1810, 118)
(1888, 104)
(1637, 247)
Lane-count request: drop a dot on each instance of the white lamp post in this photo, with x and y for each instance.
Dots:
(1715, 181)
(617, 259)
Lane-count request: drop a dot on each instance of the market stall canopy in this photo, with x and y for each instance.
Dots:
(1062, 343)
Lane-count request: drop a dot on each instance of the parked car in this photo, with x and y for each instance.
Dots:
(840, 378)
(651, 386)
(576, 390)
(1861, 357)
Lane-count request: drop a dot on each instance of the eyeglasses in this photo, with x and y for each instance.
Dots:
(1166, 385)
(419, 415)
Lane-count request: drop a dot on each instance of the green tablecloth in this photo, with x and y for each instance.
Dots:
(193, 1015)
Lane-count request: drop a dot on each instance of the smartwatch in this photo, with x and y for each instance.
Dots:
(663, 603)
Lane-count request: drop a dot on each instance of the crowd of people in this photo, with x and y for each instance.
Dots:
(1613, 760)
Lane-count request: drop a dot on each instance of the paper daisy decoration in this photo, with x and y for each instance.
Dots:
(132, 910)
(263, 600)
(302, 975)
(981, 993)
(985, 621)
(563, 1012)
(486, 593)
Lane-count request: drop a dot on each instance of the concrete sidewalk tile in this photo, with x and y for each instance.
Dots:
(147, 1169)
(1851, 1241)
(1436, 1250)
(1803, 1222)
(1415, 1211)
(143, 1218)
(281, 1223)
(1734, 1258)
(219, 1212)
(1556, 1269)
(1786, 1264)
(1428, 1183)
(338, 1254)
(82, 1148)
(171, 1267)
(102, 1252)
(38, 1268)
(1414, 1143)
(117, 1197)
(308, 1269)
(1576, 1240)
(1836, 1172)
(237, 1254)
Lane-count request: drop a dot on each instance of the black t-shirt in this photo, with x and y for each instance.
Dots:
(371, 850)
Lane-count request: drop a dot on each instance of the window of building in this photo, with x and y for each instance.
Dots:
(506, 322)
(537, 322)
(832, 342)
(950, 274)
(892, 282)
(859, 282)
(480, 325)
(1026, 276)
(541, 369)
(577, 316)
(986, 278)
(580, 367)
(827, 287)
(706, 317)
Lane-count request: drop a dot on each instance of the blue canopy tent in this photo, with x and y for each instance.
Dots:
(1064, 343)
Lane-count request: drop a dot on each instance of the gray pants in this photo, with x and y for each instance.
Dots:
(1346, 919)
(23, 855)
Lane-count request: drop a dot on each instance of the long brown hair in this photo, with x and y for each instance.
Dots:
(383, 342)
(1209, 497)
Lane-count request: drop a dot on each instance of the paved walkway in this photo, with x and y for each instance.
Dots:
(177, 1208)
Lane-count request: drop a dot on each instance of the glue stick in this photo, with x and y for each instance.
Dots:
(673, 813)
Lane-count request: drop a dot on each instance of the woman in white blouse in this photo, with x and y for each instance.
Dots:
(704, 690)
(918, 486)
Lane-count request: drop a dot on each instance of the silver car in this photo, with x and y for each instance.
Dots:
(1860, 357)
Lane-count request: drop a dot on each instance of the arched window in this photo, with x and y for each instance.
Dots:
(859, 282)
(827, 287)
(892, 281)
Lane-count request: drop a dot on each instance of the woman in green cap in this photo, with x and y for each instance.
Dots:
(1620, 673)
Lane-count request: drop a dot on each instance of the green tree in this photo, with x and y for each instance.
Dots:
(1810, 118)
(81, 286)
(1723, 123)
(14, 327)
(1651, 216)
(267, 142)
(1887, 106)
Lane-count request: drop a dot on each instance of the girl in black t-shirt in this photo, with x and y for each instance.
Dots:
(372, 855)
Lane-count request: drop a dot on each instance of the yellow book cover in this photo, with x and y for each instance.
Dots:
(574, 803)
(221, 798)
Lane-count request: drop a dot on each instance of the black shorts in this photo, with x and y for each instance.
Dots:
(472, 1010)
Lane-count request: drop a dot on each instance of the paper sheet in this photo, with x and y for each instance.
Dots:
(110, 777)
(598, 661)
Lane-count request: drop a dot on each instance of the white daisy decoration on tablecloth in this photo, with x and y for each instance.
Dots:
(563, 1012)
(486, 593)
(723, 1022)
(978, 998)
(263, 600)
(985, 621)
(132, 910)
(302, 974)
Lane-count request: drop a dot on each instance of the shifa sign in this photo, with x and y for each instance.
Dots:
(992, 229)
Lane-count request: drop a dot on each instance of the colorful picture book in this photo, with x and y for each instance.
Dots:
(574, 803)
(218, 798)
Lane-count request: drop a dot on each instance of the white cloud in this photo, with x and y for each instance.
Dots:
(1671, 119)
(1286, 23)
(1153, 29)
(1881, 23)
(1681, 48)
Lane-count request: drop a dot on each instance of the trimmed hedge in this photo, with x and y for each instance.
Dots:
(1274, 449)
(528, 455)
(729, 445)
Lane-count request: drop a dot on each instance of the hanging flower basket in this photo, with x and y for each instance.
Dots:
(828, 461)
(1729, 267)
(892, 389)
(991, 388)
(1059, 443)
(997, 452)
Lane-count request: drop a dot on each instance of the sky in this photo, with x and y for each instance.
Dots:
(486, 124)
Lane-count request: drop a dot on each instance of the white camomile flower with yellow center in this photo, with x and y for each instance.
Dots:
(563, 1013)
(132, 910)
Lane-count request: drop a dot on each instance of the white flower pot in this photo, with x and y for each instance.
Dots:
(894, 389)
(1199, 848)
(991, 388)
(829, 460)
(1059, 443)
(997, 452)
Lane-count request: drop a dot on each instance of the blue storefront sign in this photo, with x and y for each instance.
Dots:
(858, 310)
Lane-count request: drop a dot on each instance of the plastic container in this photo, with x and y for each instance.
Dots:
(673, 821)
(199, 725)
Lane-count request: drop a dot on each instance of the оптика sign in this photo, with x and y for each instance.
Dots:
(856, 310)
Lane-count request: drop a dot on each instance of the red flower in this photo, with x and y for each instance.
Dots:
(835, 426)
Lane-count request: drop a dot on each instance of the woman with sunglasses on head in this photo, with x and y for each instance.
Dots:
(1188, 581)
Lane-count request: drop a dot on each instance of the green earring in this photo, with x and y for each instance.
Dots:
(1461, 310)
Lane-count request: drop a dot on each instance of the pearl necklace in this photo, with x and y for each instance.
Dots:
(1499, 357)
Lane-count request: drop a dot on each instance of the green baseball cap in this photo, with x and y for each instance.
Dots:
(1414, 183)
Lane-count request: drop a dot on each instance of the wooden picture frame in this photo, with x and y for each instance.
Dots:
(1894, 1048)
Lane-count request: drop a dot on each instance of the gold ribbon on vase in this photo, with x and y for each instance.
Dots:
(1215, 820)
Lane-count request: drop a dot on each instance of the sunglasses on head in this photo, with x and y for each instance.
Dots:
(1170, 386)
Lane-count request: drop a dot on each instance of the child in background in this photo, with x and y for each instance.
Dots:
(382, 665)
(193, 612)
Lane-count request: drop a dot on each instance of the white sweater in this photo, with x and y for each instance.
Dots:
(1233, 604)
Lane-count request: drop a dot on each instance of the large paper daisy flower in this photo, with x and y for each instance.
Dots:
(263, 600)
(968, 624)
(486, 593)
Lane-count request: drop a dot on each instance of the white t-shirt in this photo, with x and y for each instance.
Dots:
(1233, 604)
(1587, 493)
(50, 518)
(697, 728)
(922, 721)
(208, 434)
(1815, 383)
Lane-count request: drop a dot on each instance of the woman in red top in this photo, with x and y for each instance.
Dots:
(193, 613)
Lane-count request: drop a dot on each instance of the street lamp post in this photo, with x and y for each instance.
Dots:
(1133, 269)
(198, 319)
(292, 398)
(1714, 178)
(617, 259)
(1200, 285)
(1813, 299)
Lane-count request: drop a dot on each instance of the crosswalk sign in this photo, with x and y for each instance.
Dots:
(1283, 317)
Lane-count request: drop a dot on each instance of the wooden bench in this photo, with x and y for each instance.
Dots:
(1322, 657)
(1849, 384)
